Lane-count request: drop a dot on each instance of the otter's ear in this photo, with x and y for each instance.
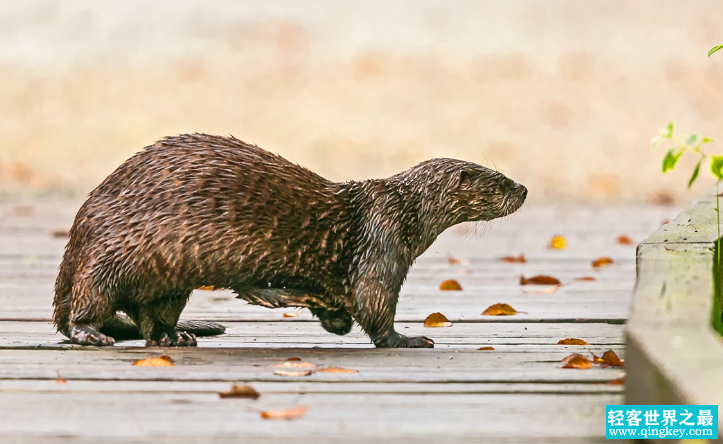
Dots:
(465, 179)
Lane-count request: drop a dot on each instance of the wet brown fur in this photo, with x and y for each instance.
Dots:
(197, 209)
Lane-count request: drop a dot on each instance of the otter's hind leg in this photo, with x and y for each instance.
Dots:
(157, 319)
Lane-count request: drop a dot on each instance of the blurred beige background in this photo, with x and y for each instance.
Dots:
(563, 96)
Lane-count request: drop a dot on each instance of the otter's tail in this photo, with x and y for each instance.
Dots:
(121, 327)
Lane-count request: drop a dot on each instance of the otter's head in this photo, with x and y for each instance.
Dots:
(467, 191)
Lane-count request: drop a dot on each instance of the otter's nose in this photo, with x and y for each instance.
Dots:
(522, 189)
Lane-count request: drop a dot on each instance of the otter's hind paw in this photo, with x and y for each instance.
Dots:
(182, 339)
(400, 341)
(87, 335)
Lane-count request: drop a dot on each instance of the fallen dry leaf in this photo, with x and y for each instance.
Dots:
(292, 413)
(602, 262)
(550, 289)
(540, 279)
(291, 315)
(514, 259)
(567, 359)
(437, 320)
(453, 261)
(610, 359)
(294, 364)
(616, 381)
(450, 285)
(586, 279)
(596, 359)
(161, 361)
(579, 362)
(293, 358)
(240, 391)
(558, 242)
(337, 370)
(207, 287)
(625, 240)
(288, 373)
(486, 348)
(60, 379)
(571, 341)
(499, 310)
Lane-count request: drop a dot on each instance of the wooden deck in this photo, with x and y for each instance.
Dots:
(453, 393)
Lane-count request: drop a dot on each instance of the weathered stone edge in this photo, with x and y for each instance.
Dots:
(673, 355)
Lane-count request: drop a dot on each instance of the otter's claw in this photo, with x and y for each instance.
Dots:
(87, 335)
(400, 341)
(182, 339)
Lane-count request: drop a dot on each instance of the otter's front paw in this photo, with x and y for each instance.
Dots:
(400, 341)
(182, 339)
(87, 335)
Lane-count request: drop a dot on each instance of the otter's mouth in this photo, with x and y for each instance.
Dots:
(512, 202)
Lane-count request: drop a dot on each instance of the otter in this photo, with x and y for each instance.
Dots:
(200, 210)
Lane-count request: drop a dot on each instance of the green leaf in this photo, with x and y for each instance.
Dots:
(656, 141)
(667, 133)
(696, 170)
(714, 49)
(671, 158)
(691, 139)
(716, 166)
(705, 140)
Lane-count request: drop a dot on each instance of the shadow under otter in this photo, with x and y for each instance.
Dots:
(197, 210)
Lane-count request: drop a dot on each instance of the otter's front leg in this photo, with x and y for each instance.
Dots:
(374, 310)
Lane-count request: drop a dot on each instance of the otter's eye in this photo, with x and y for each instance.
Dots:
(465, 179)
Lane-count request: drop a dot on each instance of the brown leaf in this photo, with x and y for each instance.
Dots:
(486, 348)
(161, 361)
(294, 364)
(514, 259)
(294, 358)
(625, 240)
(602, 262)
(579, 362)
(586, 279)
(292, 413)
(453, 261)
(596, 359)
(60, 379)
(612, 360)
(450, 285)
(540, 279)
(337, 370)
(60, 234)
(291, 315)
(571, 341)
(567, 359)
(207, 287)
(437, 320)
(499, 310)
(558, 242)
(288, 373)
(240, 391)
(616, 381)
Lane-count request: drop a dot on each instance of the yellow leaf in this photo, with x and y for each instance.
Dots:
(453, 261)
(586, 279)
(617, 381)
(337, 370)
(288, 373)
(240, 391)
(625, 240)
(499, 310)
(579, 362)
(293, 413)
(486, 348)
(571, 341)
(291, 315)
(292, 363)
(612, 360)
(602, 262)
(437, 320)
(207, 287)
(161, 361)
(450, 285)
(60, 379)
(558, 242)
